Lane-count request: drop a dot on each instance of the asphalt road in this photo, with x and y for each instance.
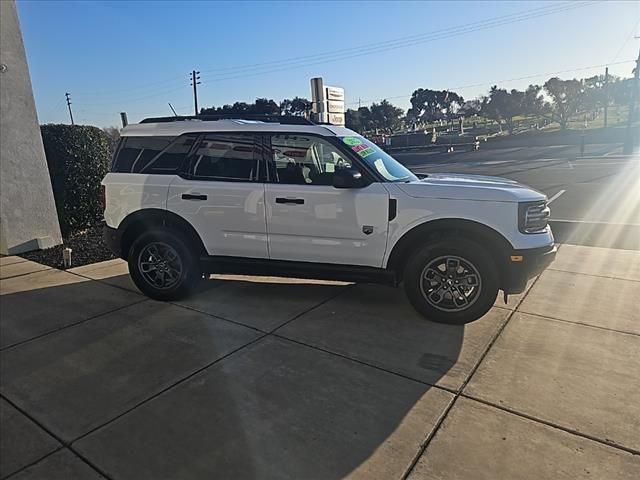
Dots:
(595, 199)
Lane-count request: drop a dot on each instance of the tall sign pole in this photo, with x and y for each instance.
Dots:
(606, 96)
(327, 103)
(629, 140)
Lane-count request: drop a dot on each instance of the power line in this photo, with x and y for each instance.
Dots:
(497, 82)
(428, 36)
(627, 38)
(378, 47)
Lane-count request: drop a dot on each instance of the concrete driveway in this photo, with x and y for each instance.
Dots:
(282, 378)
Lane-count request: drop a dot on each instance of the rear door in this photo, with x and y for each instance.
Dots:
(308, 219)
(222, 195)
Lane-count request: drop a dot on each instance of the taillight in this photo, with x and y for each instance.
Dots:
(103, 197)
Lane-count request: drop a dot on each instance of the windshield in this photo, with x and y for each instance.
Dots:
(385, 164)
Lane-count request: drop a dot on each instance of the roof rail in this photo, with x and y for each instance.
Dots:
(282, 119)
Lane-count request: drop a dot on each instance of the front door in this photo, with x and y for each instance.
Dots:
(222, 196)
(308, 219)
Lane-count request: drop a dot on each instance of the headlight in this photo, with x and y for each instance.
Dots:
(533, 216)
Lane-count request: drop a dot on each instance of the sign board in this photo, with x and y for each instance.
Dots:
(327, 102)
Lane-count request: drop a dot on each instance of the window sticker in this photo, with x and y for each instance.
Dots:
(352, 141)
(366, 152)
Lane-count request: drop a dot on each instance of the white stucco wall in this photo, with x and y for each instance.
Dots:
(28, 218)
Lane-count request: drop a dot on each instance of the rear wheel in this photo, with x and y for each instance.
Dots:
(451, 281)
(163, 266)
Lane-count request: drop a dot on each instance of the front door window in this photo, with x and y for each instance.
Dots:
(306, 160)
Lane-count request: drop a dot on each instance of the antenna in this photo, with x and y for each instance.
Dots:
(172, 109)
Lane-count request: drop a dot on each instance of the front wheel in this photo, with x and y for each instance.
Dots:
(162, 266)
(451, 281)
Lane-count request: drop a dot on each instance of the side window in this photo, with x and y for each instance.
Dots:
(306, 160)
(170, 160)
(225, 157)
(136, 152)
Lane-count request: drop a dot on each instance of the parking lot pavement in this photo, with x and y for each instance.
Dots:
(276, 410)
(283, 378)
(377, 326)
(479, 442)
(44, 301)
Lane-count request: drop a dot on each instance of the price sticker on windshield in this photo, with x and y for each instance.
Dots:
(352, 141)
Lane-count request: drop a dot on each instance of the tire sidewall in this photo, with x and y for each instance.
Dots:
(180, 245)
(466, 249)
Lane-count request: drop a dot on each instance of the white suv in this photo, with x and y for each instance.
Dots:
(283, 196)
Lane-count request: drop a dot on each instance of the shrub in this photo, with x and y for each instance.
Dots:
(78, 157)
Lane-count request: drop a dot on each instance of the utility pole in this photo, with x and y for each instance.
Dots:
(195, 81)
(629, 140)
(606, 95)
(359, 103)
(68, 96)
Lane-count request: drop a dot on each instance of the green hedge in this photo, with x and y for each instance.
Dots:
(78, 157)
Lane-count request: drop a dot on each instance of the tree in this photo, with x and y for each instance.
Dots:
(296, 107)
(262, 106)
(113, 135)
(360, 120)
(503, 105)
(470, 107)
(430, 105)
(567, 98)
(386, 117)
(533, 102)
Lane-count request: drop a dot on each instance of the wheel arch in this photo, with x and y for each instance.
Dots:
(497, 245)
(140, 221)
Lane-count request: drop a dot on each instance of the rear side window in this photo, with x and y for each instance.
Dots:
(135, 153)
(170, 159)
(225, 158)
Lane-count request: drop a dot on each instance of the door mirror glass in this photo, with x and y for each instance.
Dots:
(348, 178)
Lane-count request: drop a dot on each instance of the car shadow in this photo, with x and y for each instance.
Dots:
(145, 389)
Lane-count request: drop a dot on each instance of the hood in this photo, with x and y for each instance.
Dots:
(470, 187)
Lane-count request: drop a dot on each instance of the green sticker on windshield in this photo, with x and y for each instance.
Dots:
(352, 140)
(366, 152)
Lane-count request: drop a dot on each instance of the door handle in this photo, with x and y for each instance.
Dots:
(295, 201)
(193, 196)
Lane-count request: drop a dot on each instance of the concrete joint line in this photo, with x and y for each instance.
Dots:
(593, 275)
(64, 327)
(457, 394)
(31, 464)
(60, 440)
(554, 425)
(164, 390)
(365, 364)
(588, 325)
(28, 273)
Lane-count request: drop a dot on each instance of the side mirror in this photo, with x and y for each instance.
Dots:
(348, 178)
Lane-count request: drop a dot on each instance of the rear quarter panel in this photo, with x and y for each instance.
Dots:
(129, 192)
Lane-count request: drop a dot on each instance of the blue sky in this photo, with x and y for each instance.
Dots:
(117, 56)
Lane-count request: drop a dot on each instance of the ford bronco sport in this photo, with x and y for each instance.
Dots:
(190, 196)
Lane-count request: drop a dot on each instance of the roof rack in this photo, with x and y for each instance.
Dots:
(281, 119)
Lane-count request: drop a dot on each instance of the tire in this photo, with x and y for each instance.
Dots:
(163, 266)
(451, 296)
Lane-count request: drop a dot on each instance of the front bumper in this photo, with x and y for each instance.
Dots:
(522, 265)
(112, 237)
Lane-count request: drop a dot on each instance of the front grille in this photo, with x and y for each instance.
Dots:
(533, 216)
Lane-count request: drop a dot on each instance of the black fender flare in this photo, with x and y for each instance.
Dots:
(146, 219)
(497, 245)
